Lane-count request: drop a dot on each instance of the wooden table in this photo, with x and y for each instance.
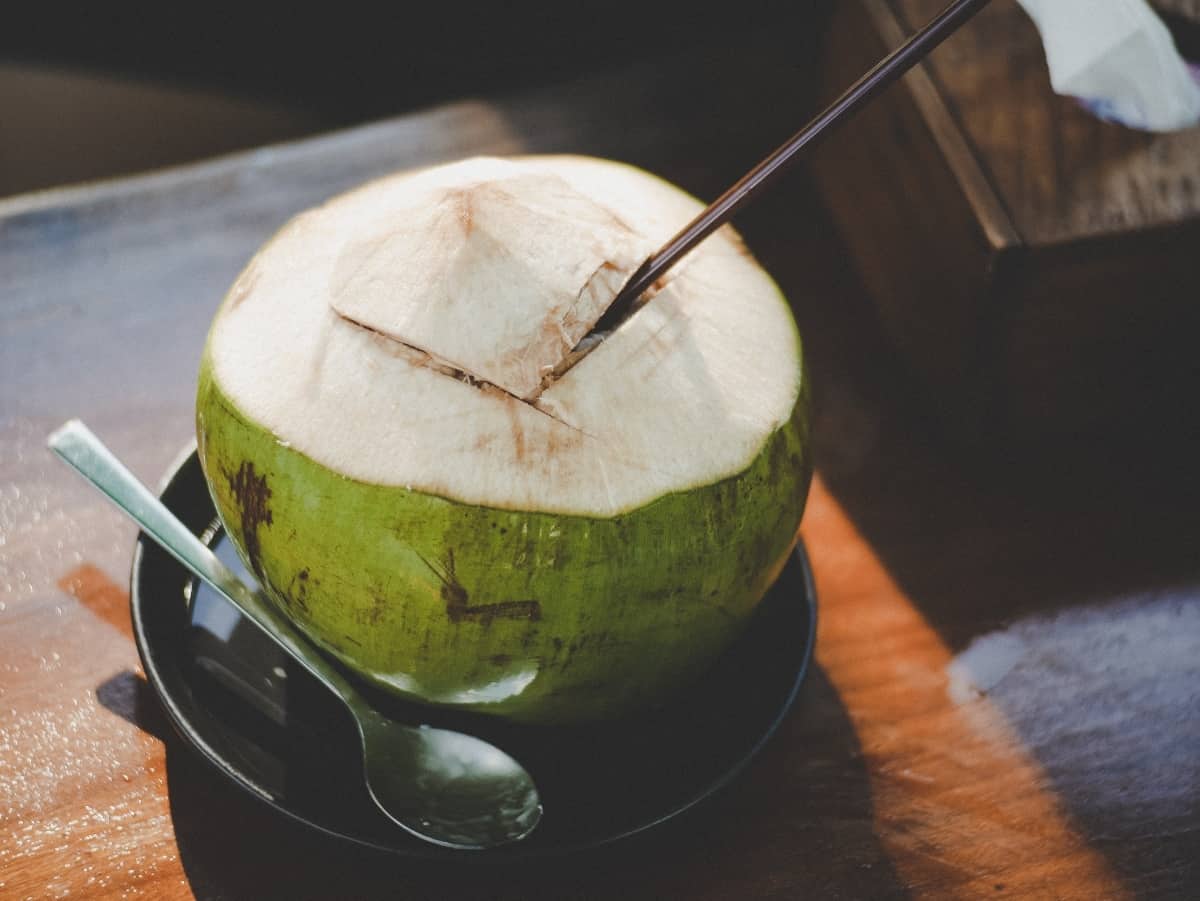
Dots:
(1006, 698)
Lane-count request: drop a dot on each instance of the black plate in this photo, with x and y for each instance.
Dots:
(270, 728)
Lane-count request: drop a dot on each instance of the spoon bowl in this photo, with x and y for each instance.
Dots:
(442, 786)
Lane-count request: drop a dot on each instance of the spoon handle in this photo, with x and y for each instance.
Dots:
(82, 450)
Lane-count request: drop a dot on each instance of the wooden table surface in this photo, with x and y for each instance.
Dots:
(1006, 696)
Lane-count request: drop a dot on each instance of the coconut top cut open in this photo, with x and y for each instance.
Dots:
(415, 333)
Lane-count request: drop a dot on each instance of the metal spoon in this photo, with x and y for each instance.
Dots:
(444, 787)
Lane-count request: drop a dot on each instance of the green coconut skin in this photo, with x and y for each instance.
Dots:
(532, 616)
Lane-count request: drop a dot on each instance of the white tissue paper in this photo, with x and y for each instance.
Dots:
(1118, 59)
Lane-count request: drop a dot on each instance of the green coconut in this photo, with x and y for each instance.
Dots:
(408, 448)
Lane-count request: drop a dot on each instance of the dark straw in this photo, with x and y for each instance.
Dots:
(733, 200)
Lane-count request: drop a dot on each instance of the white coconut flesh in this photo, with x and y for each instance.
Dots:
(406, 334)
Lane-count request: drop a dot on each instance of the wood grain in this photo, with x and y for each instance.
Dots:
(941, 771)
(905, 770)
(101, 595)
(894, 180)
(1032, 265)
(1063, 174)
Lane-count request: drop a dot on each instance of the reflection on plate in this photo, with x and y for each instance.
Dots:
(267, 726)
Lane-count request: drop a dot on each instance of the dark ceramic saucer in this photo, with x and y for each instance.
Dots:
(264, 723)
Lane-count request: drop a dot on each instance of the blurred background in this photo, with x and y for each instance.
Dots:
(92, 90)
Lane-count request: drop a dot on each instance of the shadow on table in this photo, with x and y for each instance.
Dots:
(1073, 581)
(130, 697)
(799, 820)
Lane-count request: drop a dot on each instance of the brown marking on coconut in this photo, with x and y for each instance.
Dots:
(296, 595)
(251, 494)
(557, 441)
(459, 608)
(483, 441)
(736, 242)
(461, 200)
(373, 615)
(517, 429)
(530, 610)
